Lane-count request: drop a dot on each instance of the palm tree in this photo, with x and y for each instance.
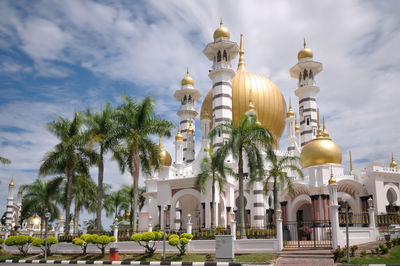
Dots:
(135, 124)
(244, 139)
(277, 174)
(4, 160)
(68, 157)
(101, 130)
(128, 192)
(210, 169)
(39, 196)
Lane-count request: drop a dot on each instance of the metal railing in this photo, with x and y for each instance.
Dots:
(355, 219)
(387, 219)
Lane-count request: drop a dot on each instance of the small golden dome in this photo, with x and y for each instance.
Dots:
(11, 182)
(187, 80)
(20, 190)
(190, 129)
(393, 164)
(221, 32)
(290, 112)
(305, 52)
(179, 136)
(297, 127)
(62, 219)
(321, 150)
(165, 157)
(332, 181)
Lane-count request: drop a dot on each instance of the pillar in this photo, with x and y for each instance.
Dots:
(284, 211)
(334, 208)
(233, 225)
(279, 231)
(150, 225)
(258, 205)
(116, 230)
(84, 229)
(228, 217)
(189, 224)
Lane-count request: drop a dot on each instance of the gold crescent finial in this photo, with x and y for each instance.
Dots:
(304, 42)
(12, 182)
(290, 102)
(332, 181)
(187, 71)
(242, 64)
(393, 164)
(179, 126)
(220, 21)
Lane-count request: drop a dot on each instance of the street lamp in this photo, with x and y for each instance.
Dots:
(46, 216)
(164, 216)
(345, 198)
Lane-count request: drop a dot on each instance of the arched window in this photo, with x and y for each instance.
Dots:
(225, 56)
(311, 75)
(299, 77)
(219, 56)
(305, 74)
(184, 99)
(190, 99)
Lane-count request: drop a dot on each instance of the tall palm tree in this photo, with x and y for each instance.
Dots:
(101, 130)
(128, 192)
(135, 123)
(68, 157)
(4, 160)
(210, 169)
(39, 196)
(244, 142)
(115, 202)
(277, 174)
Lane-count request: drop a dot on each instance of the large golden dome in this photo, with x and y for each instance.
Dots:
(165, 157)
(321, 150)
(266, 97)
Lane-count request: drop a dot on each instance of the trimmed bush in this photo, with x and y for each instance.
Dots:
(148, 240)
(388, 244)
(22, 242)
(1, 241)
(385, 250)
(180, 242)
(363, 253)
(41, 243)
(353, 250)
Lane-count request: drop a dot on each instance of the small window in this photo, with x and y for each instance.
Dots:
(314, 130)
(219, 56)
(308, 120)
(225, 56)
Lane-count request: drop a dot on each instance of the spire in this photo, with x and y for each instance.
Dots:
(251, 105)
(325, 132)
(393, 164)
(332, 181)
(304, 42)
(290, 112)
(351, 163)
(179, 136)
(11, 182)
(242, 64)
(319, 132)
(297, 127)
(190, 129)
(20, 190)
(220, 21)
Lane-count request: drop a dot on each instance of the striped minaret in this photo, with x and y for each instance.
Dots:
(305, 71)
(221, 51)
(291, 129)
(10, 203)
(187, 95)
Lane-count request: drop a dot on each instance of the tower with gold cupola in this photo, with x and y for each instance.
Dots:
(305, 71)
(10, 204)
(221, 51)
(187, 96)
(292, 131)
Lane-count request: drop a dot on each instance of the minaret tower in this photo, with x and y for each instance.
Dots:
(291, 138)
(10, 203)
(187, 95)
(190, 143)
(221, 51)
(179, 146)
(305, 71)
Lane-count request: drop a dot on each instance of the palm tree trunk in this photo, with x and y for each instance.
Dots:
(42, 224)
(135, 174)
(68, 201)
(275, 192)
(241, 197)
(213, 223)
(76, 216)
(100, 192)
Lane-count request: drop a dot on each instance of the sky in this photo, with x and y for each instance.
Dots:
(60, 57)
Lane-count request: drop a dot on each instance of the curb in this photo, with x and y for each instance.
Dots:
(177, 263)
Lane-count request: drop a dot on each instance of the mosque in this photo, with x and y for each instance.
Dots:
(232, 94)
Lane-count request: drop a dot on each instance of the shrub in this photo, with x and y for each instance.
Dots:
(381, 246)
(22, 242)
(335, 253)
(1, 242)
(101, 242)
(377, 250)
(353, 250)
(41, 243)
(180, 242)
(388, 244)
(372, 251)
(148, 240)
(363, 253)
(385, 250)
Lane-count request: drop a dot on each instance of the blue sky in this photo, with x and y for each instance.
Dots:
(58, 57)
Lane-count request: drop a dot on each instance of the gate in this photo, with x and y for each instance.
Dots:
(307, 234)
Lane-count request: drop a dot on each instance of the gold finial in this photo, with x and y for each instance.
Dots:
(242, 64)
(297, 128)
(290, 112)
(12, 182)
(304, 42)
(325, 132)
(20, 190)
(251, 105)
(190, 129)
(351, 163)
(332, 181)
(393, 164)
(179, 136)
(319, 132)
(220, 21)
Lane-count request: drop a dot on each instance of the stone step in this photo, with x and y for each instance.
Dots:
(304, 261)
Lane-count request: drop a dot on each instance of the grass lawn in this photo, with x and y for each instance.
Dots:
(257, 257)
(393, 257)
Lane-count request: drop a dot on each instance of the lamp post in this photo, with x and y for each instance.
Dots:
(346, 204)
(46, 216)
(164, 216)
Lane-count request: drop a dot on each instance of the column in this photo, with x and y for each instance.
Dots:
(203, 214)
(334, 208)
(279, 231)
(284, 211)
(258, 205)
(228, 217)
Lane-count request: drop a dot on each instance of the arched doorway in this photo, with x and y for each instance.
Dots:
(304, 212)
(185, 202)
